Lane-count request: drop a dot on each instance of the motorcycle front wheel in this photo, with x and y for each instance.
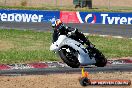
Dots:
(69, 56)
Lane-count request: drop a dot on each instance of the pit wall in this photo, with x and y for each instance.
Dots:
(65, 16)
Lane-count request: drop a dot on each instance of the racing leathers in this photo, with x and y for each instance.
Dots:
(72, 33)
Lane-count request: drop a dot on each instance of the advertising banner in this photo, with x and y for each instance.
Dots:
(28, 15)
(65, 16)
(69, 17)
(96, 17)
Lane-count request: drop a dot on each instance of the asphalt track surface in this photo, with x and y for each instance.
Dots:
(101, 29)
(113, 30)
(42, 71)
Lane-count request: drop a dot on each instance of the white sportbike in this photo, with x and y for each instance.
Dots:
(74, 54)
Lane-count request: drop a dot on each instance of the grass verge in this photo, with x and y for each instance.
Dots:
(22, 46)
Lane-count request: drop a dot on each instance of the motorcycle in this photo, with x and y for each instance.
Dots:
(74, 54)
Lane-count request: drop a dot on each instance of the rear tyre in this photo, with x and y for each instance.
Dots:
(69, 56)
(101, 61)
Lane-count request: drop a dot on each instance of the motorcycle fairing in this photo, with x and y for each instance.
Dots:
(83, 56)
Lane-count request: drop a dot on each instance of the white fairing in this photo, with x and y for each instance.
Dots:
(55, 45)
(84, 59)
(83, 56)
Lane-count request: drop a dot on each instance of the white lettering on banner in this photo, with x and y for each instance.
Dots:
(123, 20)
(110, 21)
(34, 18)
(26, 17)
(10, 17)
(18, 18)
(40, 18)
(3, 17)
(116, 20)
(104, 17)
(129, 20)
(21, 17)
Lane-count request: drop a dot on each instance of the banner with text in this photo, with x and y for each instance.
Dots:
(65, 16)
(96, 17)
(28, 15)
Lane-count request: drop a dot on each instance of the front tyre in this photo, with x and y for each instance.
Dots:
(69, 56)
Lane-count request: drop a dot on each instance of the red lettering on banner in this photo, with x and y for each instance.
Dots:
(69, 17)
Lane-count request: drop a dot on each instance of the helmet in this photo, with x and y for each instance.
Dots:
(57, 24)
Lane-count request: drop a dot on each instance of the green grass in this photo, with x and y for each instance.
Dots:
(25, 46)
(59, 8)
(113, 47)
(18, 46)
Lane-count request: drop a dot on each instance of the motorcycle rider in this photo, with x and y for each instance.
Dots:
(60, 29)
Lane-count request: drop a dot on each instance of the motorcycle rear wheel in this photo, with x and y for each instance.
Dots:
(101, 61)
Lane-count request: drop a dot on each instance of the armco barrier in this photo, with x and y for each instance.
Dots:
(65, 16)
(28, 15)
(96, 17)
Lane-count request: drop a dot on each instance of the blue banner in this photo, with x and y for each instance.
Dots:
(77, 17)
(104, 18)
(28, 15)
